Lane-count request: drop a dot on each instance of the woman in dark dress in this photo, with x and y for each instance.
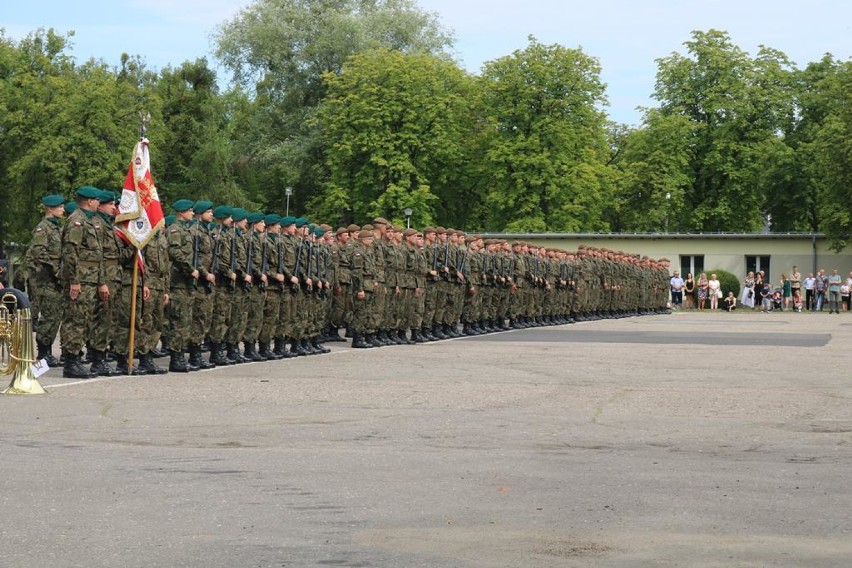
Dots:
(758, 289)
(689, 291)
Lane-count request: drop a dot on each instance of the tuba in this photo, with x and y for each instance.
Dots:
(16, 345)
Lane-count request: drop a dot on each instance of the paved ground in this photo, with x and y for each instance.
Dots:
(685, 440)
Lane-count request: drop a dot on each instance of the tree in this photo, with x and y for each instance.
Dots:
(546, 141)
(64, 126)
(735, 108)
(195, 158)
(279, 52)
(396, 127)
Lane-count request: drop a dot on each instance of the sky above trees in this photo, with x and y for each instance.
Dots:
(626, 36)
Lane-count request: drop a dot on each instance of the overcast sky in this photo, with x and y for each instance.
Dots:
(625, 35)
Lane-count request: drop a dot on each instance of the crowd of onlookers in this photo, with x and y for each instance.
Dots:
(813, 293)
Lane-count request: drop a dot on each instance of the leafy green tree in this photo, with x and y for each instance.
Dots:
(396, 127)
(735, 108)
(65, 125)
(194, 156)
(547, 141)
(279, 52)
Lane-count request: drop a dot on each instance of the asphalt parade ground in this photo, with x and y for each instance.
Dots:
(693, 439)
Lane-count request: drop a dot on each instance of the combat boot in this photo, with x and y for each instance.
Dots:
(73, 369)
(358, 341)
(217, 355)
(318, 347)
(233, 354)
(44, 353)
(250, 352)
(306, 346)
(372, 340)
(196, 360)
(123, 365)
(296, 348)
(265, 352)
(100, 368)
(281, 351)
(148, 367)
(178, 364)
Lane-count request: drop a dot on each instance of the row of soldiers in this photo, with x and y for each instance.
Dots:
(281, 286)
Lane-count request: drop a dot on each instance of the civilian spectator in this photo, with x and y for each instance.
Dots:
(786, 290)
(758, 288)
(689, 290)
(808, 284)
(834, 283)
(765, 297)
(819, 289)
(702, 291)
(714, 290)
(730, 302)
(844, 296)
(676, 283)
(795, 280)
(747, 296)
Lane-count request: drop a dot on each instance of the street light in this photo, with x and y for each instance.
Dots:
(408, 211)
(289, 192)
(668, 197)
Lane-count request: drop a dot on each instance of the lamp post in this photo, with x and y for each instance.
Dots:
(668, 198)
(408, 211)
(289, 192)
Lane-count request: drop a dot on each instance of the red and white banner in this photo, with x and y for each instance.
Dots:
(140, 213)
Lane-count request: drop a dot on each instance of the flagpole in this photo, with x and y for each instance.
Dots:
(144, 119)
(133, 288)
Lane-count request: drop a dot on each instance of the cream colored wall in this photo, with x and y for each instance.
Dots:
(725, 254)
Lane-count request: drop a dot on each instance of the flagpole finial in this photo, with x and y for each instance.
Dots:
(144, 120)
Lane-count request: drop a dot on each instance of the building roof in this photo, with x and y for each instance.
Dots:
(657, 236)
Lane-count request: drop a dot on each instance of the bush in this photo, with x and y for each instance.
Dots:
(729, 282)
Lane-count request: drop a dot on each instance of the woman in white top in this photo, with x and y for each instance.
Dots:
(747, 296)
(713, 287)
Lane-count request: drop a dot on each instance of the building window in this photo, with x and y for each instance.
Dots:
(757, 263)
(691, 263)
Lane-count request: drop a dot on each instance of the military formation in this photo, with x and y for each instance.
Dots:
(256, 287)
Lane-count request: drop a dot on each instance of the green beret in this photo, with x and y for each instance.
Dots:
(106, 196)
(302, 221)
(170, 219)
(319, 231)
(88, 192)
(287, 221)
(182, 205)
(222, 212)
(52, 200)
(238, 214)
(272, 219)
(202, 206)
(255, 217)
(70, 207)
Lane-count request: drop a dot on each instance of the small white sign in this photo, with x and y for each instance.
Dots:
(39, 368)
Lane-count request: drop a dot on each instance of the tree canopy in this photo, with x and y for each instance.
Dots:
(359, 107)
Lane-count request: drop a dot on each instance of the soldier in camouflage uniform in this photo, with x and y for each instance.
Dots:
(364, 287)
(274, 289)
(255, 267)
(184, 280)
(107, 310)
(81, 273)
(156, 279)
(43, 259)
(242, 282)
(203, 292)
(222, 236)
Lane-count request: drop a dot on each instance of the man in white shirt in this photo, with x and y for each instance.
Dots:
(808, 285)
(676, 283)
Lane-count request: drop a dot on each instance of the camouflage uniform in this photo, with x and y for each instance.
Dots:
(44, 263)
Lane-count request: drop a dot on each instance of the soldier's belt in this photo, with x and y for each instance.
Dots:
(89, 263)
